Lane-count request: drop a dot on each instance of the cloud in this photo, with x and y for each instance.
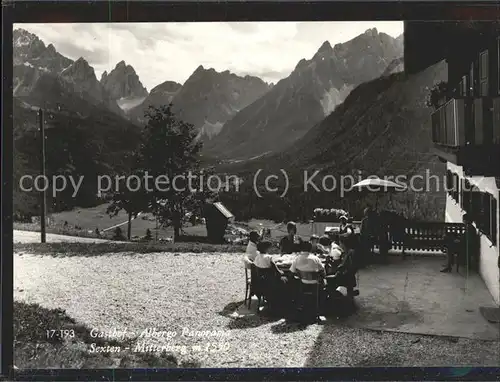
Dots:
(172, 51)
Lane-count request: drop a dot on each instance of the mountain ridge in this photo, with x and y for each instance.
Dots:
(311, 91)
(207, 99)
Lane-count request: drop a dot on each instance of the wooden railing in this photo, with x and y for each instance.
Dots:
(411, 235)
(424, 236)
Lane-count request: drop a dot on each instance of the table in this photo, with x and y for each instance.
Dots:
(285, 261)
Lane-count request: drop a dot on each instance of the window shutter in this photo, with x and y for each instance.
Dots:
(498, 65)
(467, 200)
(483, 73)
(494, 222)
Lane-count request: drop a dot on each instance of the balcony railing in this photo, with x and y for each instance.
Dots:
(467, 121)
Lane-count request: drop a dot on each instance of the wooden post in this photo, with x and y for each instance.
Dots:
(156, 221)
(43, 208)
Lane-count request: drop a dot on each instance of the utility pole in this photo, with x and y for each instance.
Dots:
(43, 207)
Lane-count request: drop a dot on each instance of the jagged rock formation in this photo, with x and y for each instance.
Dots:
(305, 97)
(208, 98)
(124, 86)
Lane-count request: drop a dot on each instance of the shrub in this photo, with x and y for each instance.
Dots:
(437, 93)
(118, 234)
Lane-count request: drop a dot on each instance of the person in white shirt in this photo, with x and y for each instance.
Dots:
(307, 262)
(251, 251)
(336, 251)
(263, 260)
(317, 248)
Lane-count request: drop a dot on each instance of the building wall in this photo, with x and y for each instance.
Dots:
(424, 44)
(488, 263)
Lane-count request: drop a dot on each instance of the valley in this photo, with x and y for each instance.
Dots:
(339, 111)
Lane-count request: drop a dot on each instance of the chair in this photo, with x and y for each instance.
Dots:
(310, 293)
(248, 281)
(258, 284)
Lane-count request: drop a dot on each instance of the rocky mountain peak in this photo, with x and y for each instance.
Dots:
(311, 92)
(51, 49)
(325, 47)
(167, 86)
(123, 82)
(24, 38)
(30, 51)
(82, 75)
(80, 69)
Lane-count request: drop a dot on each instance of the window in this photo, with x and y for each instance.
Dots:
(452, 185)
(449, 182)
(467, 197)
(462, 193)
(456, 188)
(498, 65)
(472, 78)
(483, 73)
(482, 207)
(475, 206)
(493, 218)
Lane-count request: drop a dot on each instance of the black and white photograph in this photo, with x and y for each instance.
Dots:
(256, 194)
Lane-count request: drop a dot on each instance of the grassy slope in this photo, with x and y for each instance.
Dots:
(88, 219)
(33, 348)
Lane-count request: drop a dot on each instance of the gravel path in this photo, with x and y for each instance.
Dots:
(198, 292)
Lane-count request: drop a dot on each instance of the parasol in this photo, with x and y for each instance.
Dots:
(377, 185)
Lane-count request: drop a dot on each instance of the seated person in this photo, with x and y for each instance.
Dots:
(317, 248)
(276, 291)
(345, 272)
(263, 260)
(334, 258)
(289, 243)
(307, 262)
(325, 241)
(251, 251)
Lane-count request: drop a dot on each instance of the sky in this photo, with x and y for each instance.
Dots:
(172, 51)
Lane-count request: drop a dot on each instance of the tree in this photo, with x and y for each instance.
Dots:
(130, 196)
(170, 154)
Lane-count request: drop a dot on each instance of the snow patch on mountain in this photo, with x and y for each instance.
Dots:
(127, 103)
(210, 130)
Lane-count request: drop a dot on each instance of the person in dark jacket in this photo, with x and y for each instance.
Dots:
(383, 236)
(289, 243)
(467, 249)
(346, 232)
(452, 247)
(367, 237)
